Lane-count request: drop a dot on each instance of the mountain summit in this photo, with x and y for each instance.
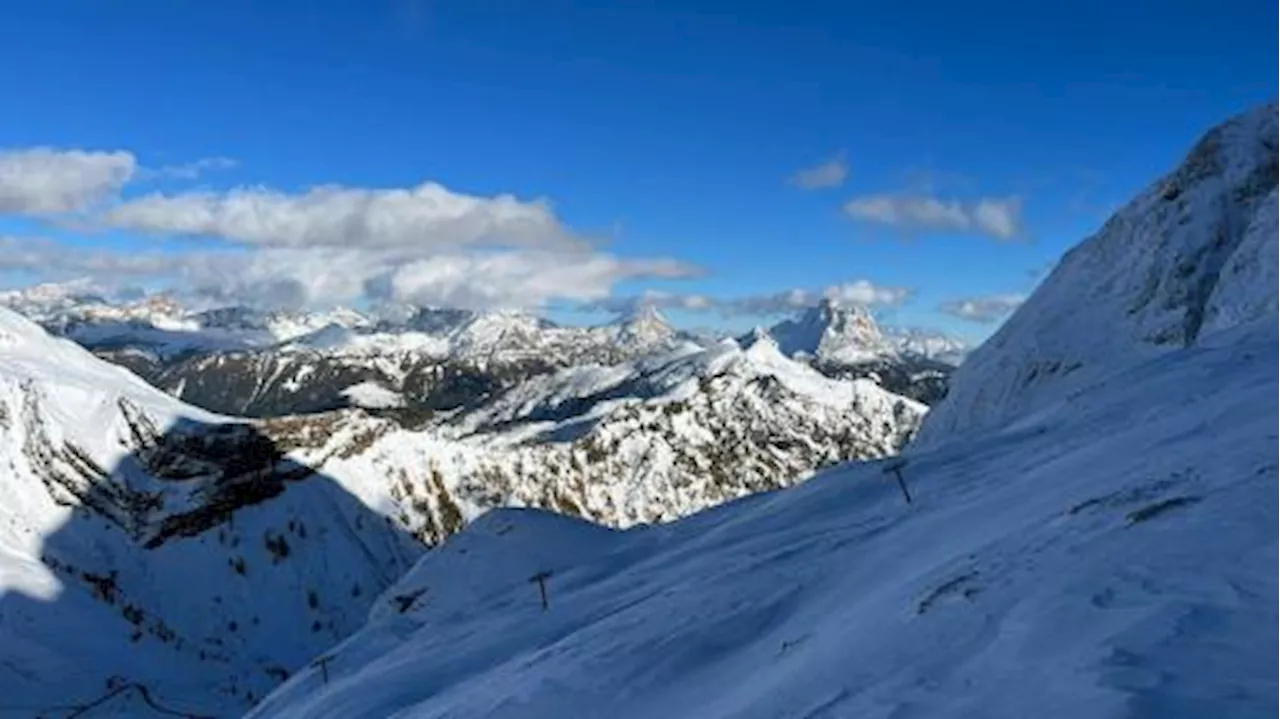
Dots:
(832, 332)
(1191, 256)
(645, 327)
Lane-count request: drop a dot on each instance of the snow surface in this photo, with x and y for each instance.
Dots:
(373, 395)
(1112, 556)
(88, 477)
(1190, 255)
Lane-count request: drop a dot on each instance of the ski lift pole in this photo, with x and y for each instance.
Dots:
(895, 468)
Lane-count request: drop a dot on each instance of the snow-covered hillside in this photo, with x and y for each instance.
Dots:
(1193, 253)
(1111, 557)
(646, 441)
(147, 543)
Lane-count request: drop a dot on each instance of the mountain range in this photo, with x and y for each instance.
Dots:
(245, 362)
(224, 552)
(500, 517)
(1085, 527)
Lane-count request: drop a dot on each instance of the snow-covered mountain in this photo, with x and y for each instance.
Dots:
(246, 362)
(221, 555)
(647, 441)
(831, 333)
(145, 543)
(845, 341)
(1101, 545)
(927, 344)
(1193, 253)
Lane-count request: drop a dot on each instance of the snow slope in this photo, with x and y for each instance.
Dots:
(1193, 253)
(1110, 557)
(146, 542)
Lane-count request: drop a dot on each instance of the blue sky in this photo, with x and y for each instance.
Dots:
(980, 141)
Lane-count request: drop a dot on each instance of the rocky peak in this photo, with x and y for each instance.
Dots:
(832, 332)
(645, 325)
(1192, 255)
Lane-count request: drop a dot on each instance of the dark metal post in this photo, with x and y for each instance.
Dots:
(323, 663)
(541, 579)
(896, 468)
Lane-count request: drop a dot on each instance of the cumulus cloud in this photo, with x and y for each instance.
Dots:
(300, 277)
(193, 170)
(45, 181)
(986, 309)
(520, 279)
(831, 173)
(996, 217)
(656, 299)
(329, 244)
(426, 216)
(863, 292)
(43, 255)
(858, 292)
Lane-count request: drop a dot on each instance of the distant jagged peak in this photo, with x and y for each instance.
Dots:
(833, 331)
(644, 324)
(928, 344)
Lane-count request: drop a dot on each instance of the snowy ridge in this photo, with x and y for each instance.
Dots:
(647, 441)
(927, 344)
(1192, 255)
(134, 526)
(1092, 565)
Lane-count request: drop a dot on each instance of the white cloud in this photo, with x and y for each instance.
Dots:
(329, 244)
(520, 279)
(426, 216)
(43, 180)
(858, 292)
(657, 299)
(831, 173)
(110, 268)
(1000, 218)
(423, 245)
(986, 309)
(193, 170)
(318, 276)
(863, 292)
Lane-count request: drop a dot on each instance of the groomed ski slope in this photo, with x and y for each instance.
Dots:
(1111, 554)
